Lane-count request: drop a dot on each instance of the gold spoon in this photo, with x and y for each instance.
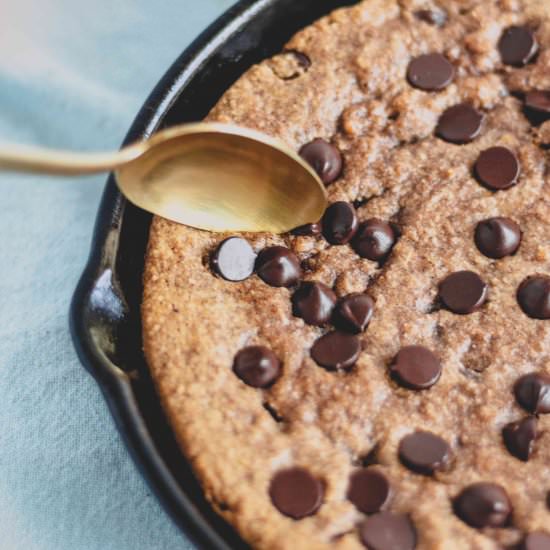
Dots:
(212, 176)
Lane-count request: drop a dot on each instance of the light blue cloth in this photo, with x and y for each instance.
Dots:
(73, 74)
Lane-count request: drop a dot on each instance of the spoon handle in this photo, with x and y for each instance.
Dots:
(18, 158)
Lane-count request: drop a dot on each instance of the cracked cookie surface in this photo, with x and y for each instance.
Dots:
(344, 79)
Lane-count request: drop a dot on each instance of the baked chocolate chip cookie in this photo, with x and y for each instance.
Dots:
(379, 378)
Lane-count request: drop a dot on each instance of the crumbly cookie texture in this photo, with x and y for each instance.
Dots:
(343, 79)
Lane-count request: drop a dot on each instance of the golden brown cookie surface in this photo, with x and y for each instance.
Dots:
(423, 236)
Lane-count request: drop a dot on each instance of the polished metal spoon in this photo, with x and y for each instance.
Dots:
(211, 176)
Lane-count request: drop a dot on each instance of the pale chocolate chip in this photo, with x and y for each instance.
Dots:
(483, 505)
(497, 168)
(296, 493)
(324, 158)
(532, 392)
(278, 266)
(387, 531)
(463, 292)
(416, 368)
(498, 237)
(430, 72)
(534, 296)
(314, 303)
(459, 124)
(354, 312)
(257, 366)
(374, 240)
(369, 490)
(234, 259)
(336, 350)
(519, 437)
(339, 222)
(424, 452)
(517, 46)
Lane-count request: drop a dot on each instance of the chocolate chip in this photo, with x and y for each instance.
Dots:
(536, 541)
(463, 292)
(534, 296)
(234, 259)
(430, 72)
(374, 240)
(432, 17)
(308, 230)
(416, 368)
(519, 437)
(498, 237)
(354, 312)
(296, 493)
(278, 266)
(257, 366)
(336, 350)
(314, 302)
(532, 392)
(517, 46)
(386, 531)
(339, 222)
(424, 452)
(483, 505)
(459, 124)
(538, 101)
(369, 490)
(325, 159)
(497, 168)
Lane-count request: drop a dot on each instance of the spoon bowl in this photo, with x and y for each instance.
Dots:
(222, 178)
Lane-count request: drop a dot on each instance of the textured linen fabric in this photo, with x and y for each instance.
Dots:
(73, 74)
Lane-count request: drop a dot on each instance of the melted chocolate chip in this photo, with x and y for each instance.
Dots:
(339, 222)
(497, 168)
(532, 392)
(296, 493)
(354, 312)
(463, 292)
(234, 259)
(538, 101)
(430, 72)
(432, 17)
(517, 46)
(386, 531)
(325, 159)
(278, 266)
(336, 350)
(257, 366)
(483, 505)
(498, 237)
(459, 124)
(519, 437)
(536, 541)
(374, 240)
(369, 490)
(314, 303)
(534, 297)
(416, 368)
(308, 230)
(424, 452)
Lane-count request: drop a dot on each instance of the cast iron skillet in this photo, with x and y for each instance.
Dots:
(105, 315)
